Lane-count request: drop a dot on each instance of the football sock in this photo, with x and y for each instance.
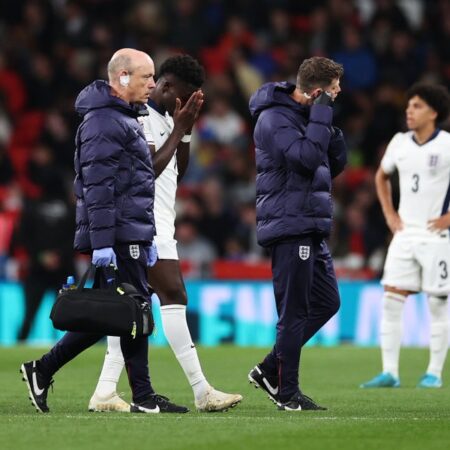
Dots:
(391, 331)
(112, 368)
(177, 333)
(439, 334)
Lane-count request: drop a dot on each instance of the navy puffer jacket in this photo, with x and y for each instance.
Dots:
(297, 154)
(115, 181)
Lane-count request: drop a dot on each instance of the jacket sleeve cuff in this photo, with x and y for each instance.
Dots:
(102, 239)
(321, 114)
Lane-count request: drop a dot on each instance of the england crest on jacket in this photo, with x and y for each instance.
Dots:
(134, 251)
(303, 252)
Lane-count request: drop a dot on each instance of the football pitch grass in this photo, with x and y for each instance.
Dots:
(404, 418)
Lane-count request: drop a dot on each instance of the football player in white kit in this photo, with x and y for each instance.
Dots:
(173, 108)
(418, 258)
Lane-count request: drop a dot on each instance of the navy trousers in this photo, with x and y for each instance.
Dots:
(132, 268)
(306, 296)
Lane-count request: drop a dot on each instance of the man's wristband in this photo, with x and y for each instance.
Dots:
(186, 139)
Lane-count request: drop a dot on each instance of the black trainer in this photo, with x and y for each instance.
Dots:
(300, 402)
(37, 385)
(268, 383)
(157, 404)
(308, 404)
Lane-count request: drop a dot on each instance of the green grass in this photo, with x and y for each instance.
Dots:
(405, 418)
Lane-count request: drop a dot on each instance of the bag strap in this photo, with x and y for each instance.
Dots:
(90, 270)
(112, 277)
(111, 274)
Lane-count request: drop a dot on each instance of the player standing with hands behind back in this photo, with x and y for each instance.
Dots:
(418, 258)
(298, 152)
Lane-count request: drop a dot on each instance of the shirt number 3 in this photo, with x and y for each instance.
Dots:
(415, 186)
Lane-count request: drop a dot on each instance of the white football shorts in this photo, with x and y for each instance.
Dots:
(167, 247)
(418, 265)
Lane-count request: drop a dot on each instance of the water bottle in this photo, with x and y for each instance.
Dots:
(69, 284)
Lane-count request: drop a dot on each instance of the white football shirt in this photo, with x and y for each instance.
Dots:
(424, 175)
(157, 128)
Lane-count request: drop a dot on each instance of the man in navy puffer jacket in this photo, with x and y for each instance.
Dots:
(114, 186)
(298, 152)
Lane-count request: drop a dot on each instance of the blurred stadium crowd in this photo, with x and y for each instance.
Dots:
(51, 49)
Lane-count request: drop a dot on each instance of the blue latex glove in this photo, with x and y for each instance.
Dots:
(152, 254)
(104, 257)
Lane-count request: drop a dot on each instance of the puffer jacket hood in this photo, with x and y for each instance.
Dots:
(274, 94)
(97, 95)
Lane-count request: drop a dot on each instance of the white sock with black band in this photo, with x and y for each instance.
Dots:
(177, 334)
(391, 331)
(439, 328)
(112, 368)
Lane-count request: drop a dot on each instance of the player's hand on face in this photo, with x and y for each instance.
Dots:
(439, 224)
(394, 223)
(185, 117)
(324, 98)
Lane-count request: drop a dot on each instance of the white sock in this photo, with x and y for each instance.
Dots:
(439, 334)
(112, 368)
(391, 331)
(178, 335)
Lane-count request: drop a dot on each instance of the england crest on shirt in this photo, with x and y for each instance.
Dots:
(433, 161)
(303, 252)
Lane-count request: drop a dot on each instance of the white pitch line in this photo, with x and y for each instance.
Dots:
(218, 416)
(256, 419)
